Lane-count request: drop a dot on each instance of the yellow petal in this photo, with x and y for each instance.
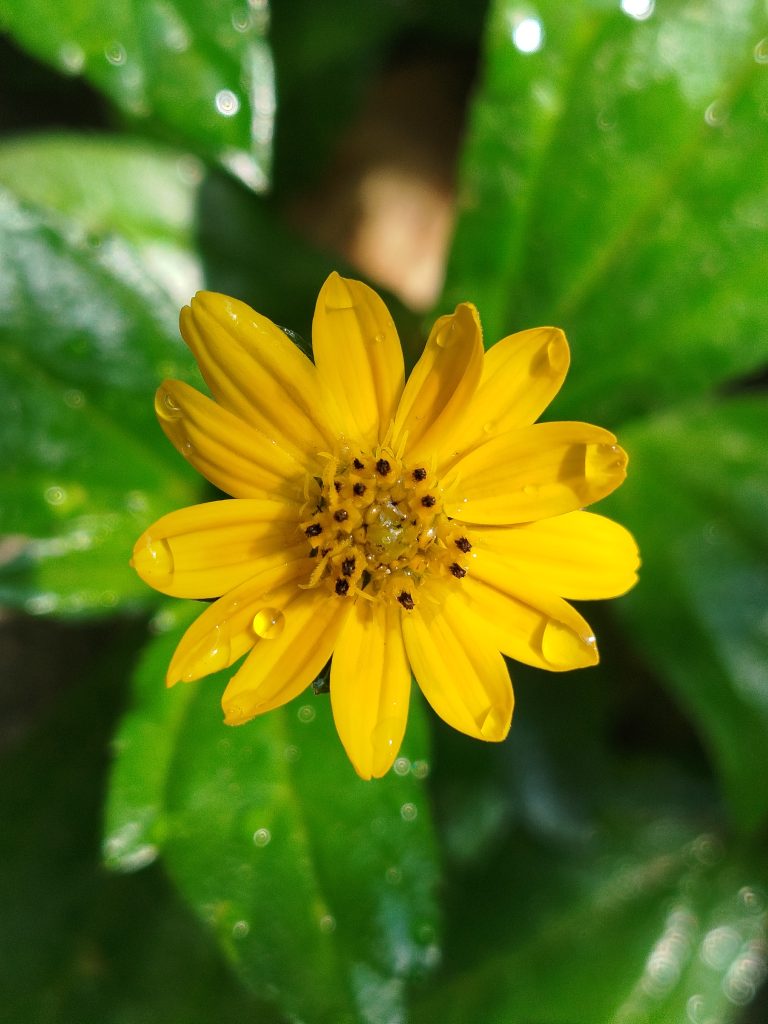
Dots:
(206, 550)
(359, 359)
(528, 625)
(521, 375)
(578, 555)
(370, 687)
(235, 458)
(441, 385)
(460, 671)
(225, 630)
(534, 473)
(256, 372)
(278, 669)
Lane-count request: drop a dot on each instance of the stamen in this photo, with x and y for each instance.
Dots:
(458, 571)
(359, 489)
(348, 566)
(314, 530)
(340, 515)
(337, 485)
(358, 464)
(405, 600)
(419, 474)
(463, 545)
(428, 500)
(342, 586)
(383, 467)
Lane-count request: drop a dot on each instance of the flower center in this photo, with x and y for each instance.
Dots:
(378, 530)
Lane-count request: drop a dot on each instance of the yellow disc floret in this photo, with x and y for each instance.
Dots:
(378, 530)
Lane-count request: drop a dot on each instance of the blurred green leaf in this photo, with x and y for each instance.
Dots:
(652, 924)
(615, 182)
(85, 335)
(116, 185)
(696, 500)
(318, 885)
(77, 944)
(199, 73)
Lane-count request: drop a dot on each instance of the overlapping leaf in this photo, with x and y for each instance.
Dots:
(320, 886)
(200, 72)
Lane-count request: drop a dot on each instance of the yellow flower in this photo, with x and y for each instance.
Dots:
(421, 527)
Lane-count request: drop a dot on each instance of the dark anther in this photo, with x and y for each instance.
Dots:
(365, 579)
(348, 566)
(337, 485)
(405, 599)
(359, 489)
(314, 530)
(383, 467)
(357, 464)
(313, 552)
(325, 551)
(428, 500)
(458, 570)
(340, 515)
(463, 545)
(419, 474)
(342, 586)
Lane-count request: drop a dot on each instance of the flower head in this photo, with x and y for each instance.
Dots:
(426, 527)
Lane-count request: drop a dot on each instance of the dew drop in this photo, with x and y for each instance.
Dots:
(379, 338)
(74, 398)
(227, 102)
(420, 769)
(602, 460)
(561, 646)
(268, 623)
(761, 51)
(494, 723)
(409, 812)
(166, 406)
(327, 924)
(488, 427)
(262, 837)
(240, 929)
(557, 354)
(716, 114)
(446, 335)
(210, 655)
(55, 495)
(162, 558)
(306, 713)
(401, 766)
(72, 57)
(115, 54)
(241, 21)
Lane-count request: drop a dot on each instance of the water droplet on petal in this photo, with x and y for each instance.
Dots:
(262, 837)
(488, 427)
(563, 647)
(210, 655)
(603, 460)
(166, 406)
(495, 724)
(161, 556)
(379, 338)
(557, 354)
(268, 623)
(446, 335)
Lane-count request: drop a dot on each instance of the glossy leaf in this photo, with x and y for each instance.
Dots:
(696, 500)
(115, 184)
(320, 886)
(201, 73)
(85, 334)
(614, 184)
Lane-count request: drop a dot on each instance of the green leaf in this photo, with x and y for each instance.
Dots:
(116, 185)
(318, 885)
(85, 335)
(614, 183)
(200, 73)
(653, 924)
(696, 500)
